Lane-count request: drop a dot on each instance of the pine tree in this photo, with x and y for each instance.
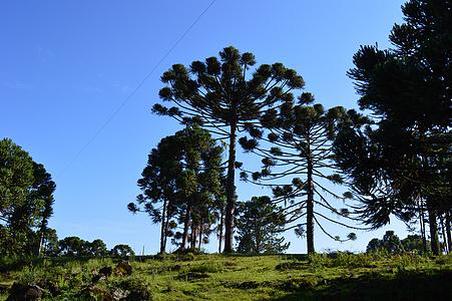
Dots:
(221, 94)
(406, 153)
(181, 185)
(295, 145)
(26, 200)
(259, 224)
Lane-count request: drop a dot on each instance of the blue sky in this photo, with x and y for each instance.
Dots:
(66, 66)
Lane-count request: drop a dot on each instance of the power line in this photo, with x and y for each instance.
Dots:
(127, 99)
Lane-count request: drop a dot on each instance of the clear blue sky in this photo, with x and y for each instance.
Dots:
(66, 66)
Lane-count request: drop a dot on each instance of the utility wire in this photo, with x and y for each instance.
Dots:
(129, 97)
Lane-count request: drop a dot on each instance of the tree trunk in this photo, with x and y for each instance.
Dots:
(433, 228)
(186, 226)
(220, 240)
(200, 237)
(41, 243)
(448, 234)
(190, 245)
(230, 191)
(163, 229)
(310, 208)
(444, 247)
(194, 236)
(258, 238)
(166, 233)
(422, 225)
(42, 231)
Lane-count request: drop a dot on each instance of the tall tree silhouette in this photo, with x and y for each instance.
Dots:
(401, 164)
(222, 95)
(295, 145)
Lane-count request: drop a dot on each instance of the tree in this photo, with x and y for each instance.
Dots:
(295, 144)
(392, 244)
(406, 153)
(414, 243)
(374, 245)
(76, 247)
(43, 189)
(259, 224)
(50, 243)
(97, 248)
(122, 251)
(220, 94)
(73, 246)
(181, 185)
(26, 200)
(16, 176)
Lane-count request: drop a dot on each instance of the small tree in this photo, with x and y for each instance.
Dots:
(259, 224)
(390, 243)
(220, 94)
(97, 248)
(73, 246)
(374, 245)
(122, 251)
(50, 243)
(414, 243)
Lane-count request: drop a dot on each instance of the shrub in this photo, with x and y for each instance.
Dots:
(208, 267)
(319, 260)
(138, 290)
(344, 259)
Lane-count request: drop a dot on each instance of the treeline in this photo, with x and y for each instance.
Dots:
(393, 158)
(73, 246)
(392, 244)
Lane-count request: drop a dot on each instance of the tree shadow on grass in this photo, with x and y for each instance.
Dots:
(404, 286)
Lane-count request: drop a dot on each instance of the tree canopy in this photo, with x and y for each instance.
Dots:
(223, 95)
(182, 185)
(400, 162)
(259, 226)
(295, 144)
(26, 200)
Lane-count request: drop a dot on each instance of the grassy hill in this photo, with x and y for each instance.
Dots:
(337, 276)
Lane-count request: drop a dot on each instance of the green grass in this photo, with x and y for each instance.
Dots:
(339, 276)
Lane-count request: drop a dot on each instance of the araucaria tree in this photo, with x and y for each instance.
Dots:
(294, 142)
(401, 164)
(223, 94)
(181, 187)
(259, 226)
(26, 200)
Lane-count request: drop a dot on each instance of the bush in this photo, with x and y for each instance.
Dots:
(138, 290)
(319, 260)
(208, 267)
(344, 259)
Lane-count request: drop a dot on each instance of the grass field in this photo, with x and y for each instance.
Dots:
(337, 276)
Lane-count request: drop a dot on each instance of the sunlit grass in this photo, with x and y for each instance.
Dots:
(217, 277)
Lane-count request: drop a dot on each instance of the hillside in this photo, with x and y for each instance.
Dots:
(216, 277)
